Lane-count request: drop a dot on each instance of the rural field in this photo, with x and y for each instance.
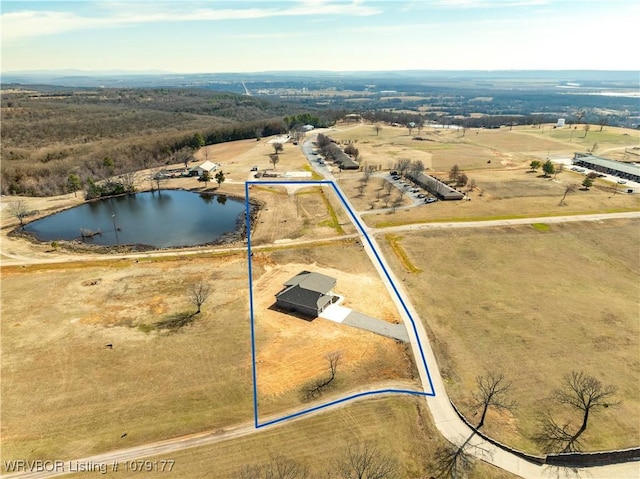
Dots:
(397, 426)
(514, 194)
(534, 303)
(102, 352)
(291, 352)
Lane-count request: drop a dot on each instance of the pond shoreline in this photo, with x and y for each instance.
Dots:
(79, 246)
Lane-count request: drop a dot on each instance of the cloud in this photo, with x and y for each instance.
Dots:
(489, 3)
(32, 23)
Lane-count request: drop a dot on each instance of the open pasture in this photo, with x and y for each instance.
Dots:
(534, 303)
(398, 426)
(298, 212)
(67, 393)
(514, 194)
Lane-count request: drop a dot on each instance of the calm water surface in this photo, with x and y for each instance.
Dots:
(159, 219)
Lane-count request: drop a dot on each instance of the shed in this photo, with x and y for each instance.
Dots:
(207, 166)
(307, 293)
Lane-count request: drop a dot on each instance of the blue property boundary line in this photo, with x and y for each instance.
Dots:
(362, 231)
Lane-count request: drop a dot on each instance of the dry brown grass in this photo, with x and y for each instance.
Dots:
(65, 394)
(374, 195)
(513, 194)
(295, 212)
(535, 305)
(237, 157)
(399, 426)
(292, 351)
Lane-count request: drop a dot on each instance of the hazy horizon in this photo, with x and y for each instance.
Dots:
(248, 36)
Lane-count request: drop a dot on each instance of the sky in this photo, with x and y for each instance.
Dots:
(185, 36)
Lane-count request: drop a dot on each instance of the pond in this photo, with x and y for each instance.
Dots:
(161, 219)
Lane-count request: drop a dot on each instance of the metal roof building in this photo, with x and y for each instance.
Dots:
(628, 171)
(435, 186)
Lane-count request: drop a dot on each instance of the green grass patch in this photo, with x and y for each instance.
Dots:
(394, 242)
(314, 175)
(464, 219)
(269, 189)
(333, 223)
(541, 226)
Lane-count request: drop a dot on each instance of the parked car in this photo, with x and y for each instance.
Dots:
(395, 178)
(254, 168)
(422, 195)
(431, 200)
(415, 190)
(393, 173)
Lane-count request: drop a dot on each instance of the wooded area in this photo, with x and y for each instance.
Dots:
(50, 135)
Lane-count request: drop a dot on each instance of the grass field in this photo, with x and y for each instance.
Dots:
(533, 303)
(66, 394)
(291, 352)
(397, 426)
(481, 149)
(513, 194)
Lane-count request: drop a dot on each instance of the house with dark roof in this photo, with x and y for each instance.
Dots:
(307, 293)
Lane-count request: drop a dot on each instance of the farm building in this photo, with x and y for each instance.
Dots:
(207, 166)
(343, 160)
(627, 171)
(435, 186)
(307, 293)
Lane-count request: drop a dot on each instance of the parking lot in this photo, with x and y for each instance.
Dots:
(417, 194)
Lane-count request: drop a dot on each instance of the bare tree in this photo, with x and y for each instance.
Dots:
(377, 129)
(367, 172)
(278, 467)
(462, 179)
(402, 165)
(452, 462)
(129, 181)
(603, 122)
(492, 392)
(568, 189)
(317, 387)
(19, 210)
(157, 175)
(454, 172)
(559, 168)
(198, 293)
(366, 461)
(586, 127)
(278, 147)
(416, 166)
(388, 186)
(274, 158)
(471, 185)
(583, 393)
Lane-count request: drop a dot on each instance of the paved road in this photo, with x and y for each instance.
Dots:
(445, 418)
